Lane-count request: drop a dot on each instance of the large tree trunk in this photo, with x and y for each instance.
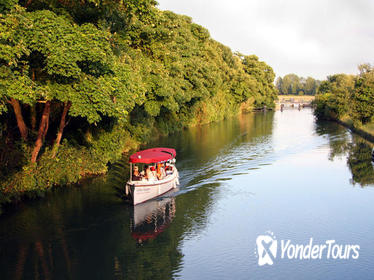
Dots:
(20, 122)
(43, 127)
(61, 127)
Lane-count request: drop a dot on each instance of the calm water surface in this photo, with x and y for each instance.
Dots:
(279, 171)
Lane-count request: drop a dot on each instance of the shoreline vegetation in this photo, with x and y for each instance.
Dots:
(349, 101)
(365, 131)
(84, 81)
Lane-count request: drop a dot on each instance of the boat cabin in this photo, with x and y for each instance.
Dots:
(156, 163)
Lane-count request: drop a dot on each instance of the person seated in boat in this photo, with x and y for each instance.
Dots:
(163, 169)
(160, 174)
(153, 169)
(169, 169)
(148, 173)
(136, 176)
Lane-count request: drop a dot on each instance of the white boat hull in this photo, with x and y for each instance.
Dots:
(141, 191)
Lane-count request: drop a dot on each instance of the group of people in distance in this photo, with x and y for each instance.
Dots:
(149, 172)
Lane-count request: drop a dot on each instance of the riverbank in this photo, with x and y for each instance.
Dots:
(365, 131)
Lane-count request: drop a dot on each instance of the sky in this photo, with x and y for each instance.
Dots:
(313, 38)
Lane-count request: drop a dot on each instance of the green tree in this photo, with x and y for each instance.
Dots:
(310, 86)
(278, 85)
(290, 84)
(363, 96)
(264, 76)
(48, 60)
(340, 88)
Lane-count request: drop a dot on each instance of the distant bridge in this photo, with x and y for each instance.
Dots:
(294, 101)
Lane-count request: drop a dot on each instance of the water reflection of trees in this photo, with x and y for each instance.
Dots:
(353, 147)
(339, 138)
(359, 162)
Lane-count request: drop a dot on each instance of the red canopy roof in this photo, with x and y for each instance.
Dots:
(153, 155)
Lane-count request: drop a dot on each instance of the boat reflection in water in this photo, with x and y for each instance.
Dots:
(151, 218)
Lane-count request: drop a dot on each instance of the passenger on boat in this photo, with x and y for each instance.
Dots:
(136, 176)
(160, 172)
(148, 173)
(153, 169)
(169, 169)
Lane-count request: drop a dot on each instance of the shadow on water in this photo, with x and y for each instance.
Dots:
(355, 149)
(88, 232)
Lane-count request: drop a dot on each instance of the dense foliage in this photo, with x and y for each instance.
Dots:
(295, 85)
(350, 97)
(82, 81)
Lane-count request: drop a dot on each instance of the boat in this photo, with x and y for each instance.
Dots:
(140, 188)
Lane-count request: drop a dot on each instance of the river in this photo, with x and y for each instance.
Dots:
(278, 172)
